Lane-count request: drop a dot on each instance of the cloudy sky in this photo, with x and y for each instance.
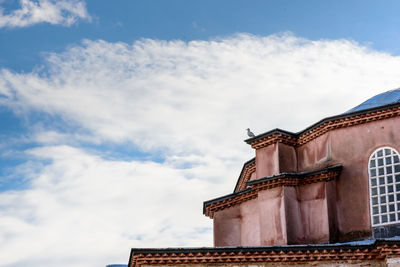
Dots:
(119, 118)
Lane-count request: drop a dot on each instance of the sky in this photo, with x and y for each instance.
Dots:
(119, 118)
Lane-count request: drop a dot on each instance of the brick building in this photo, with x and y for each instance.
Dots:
(328, 195)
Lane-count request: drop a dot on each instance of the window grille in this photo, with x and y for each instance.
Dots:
(384, 186)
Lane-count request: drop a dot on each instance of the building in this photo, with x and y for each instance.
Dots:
(325, 196)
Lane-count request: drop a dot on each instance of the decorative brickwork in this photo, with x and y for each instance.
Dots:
(248, 169)
(379, 250)
(285, 179)
(325, 125)
(274, 138)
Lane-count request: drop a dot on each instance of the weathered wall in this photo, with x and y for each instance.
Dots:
(227, 227)
(287, 158)
(250, 226)
(315, 154)
(272, 217)
(295, 227)
(331, 197)
(351, 147)
(275, 159)
(278, 216)
(314, 213)
(307, 214)
(267, 161)
(260, 221)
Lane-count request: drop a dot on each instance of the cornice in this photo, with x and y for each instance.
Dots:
(248, 168)
(255, 186)
(323, 126)
(379, 250)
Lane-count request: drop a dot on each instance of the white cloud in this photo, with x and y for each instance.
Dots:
(198, 97)
(63, 12)
(191, 103)
(82, 210)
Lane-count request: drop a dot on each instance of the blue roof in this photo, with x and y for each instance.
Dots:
(388, 97)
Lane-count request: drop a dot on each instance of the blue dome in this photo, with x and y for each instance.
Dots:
(388, 97)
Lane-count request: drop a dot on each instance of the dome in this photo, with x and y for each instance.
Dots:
(386, 98)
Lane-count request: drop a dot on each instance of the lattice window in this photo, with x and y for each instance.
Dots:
(384, 186)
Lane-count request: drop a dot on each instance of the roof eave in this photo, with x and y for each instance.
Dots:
(325, 120)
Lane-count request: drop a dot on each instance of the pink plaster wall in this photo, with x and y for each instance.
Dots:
(287, 158)
(267, 162)
(295, 228)
(307, 214)
(312, 199)
(227, 227)
(260, 221)
(314, 213)
(275, 159)
(314, 155)
(351, 147)
(330, 191)
(272, 220)
(278, 216)
(250, 228)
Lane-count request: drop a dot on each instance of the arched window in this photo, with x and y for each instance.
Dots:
(384, 186)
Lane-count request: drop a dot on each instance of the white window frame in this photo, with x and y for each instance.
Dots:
(384, 186)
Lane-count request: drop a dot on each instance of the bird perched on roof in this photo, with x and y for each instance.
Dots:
(250, 133)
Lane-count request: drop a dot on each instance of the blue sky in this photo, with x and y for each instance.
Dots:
(120, 117)
(367, 22)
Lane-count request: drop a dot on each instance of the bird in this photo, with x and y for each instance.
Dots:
(249, 133)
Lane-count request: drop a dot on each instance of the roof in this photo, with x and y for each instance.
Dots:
(254, 186)
(379, 102)
(367, 249)
(243, 172)
(356, 114)
(382, 99)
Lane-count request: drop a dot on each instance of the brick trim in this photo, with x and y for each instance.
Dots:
(255, 186)
(378, 250)
(247, 170)
(325, 125)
